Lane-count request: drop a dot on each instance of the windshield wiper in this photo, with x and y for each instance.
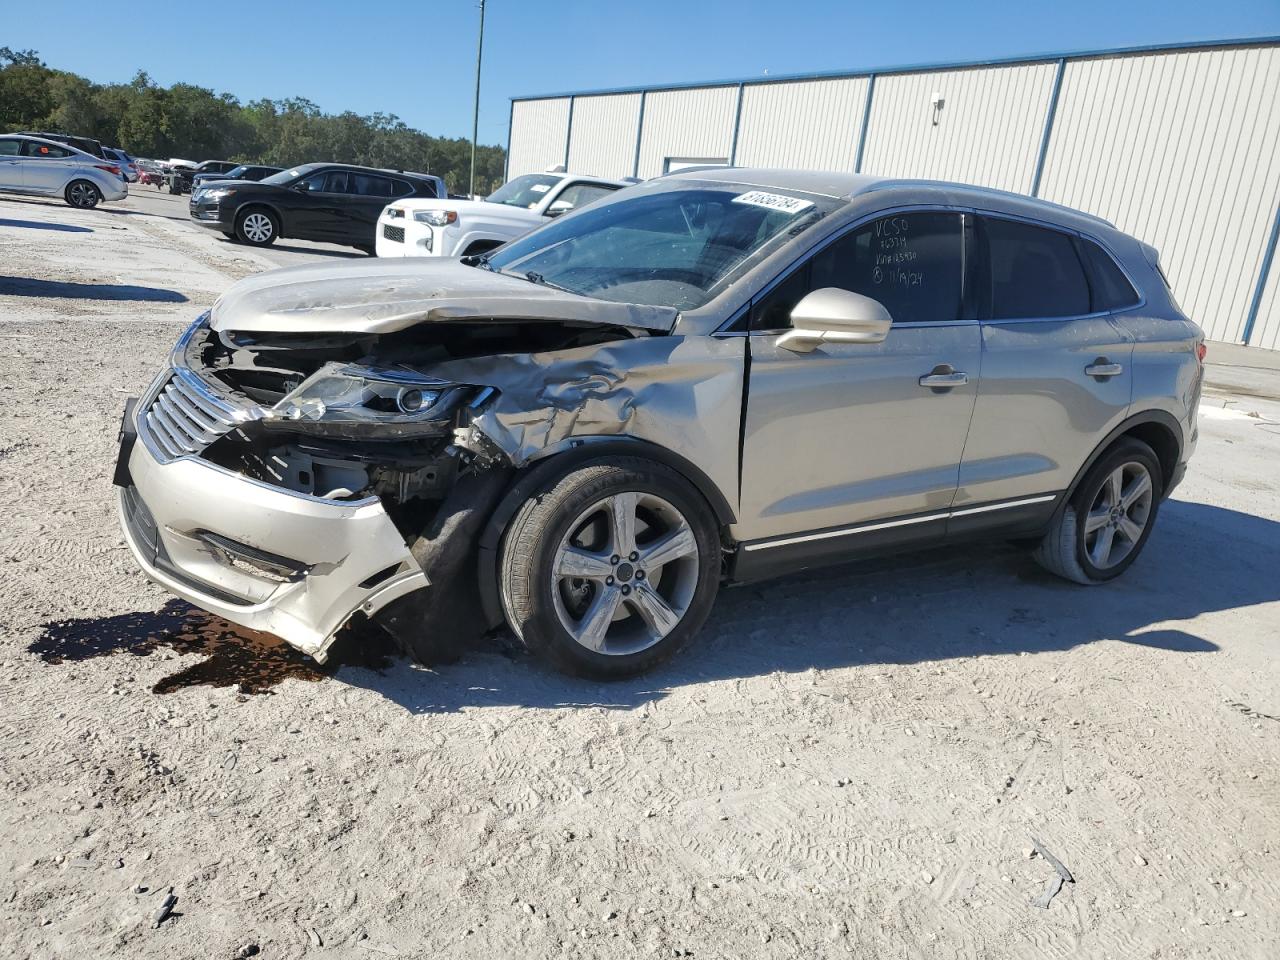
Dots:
(534, 277)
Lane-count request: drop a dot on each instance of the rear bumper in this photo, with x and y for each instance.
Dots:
(265, 558)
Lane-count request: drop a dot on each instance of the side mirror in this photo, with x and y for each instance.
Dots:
(832, 315)
(559, 208)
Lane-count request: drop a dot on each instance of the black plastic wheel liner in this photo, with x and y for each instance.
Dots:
(435, 624)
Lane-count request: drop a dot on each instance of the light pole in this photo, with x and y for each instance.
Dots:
(475, 117)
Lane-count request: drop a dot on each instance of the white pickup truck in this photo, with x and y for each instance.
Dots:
(454, 228)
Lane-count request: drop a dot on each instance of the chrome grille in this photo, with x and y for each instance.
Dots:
(393, 233)
(185, 417)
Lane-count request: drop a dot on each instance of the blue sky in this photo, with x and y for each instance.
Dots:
(416, 58)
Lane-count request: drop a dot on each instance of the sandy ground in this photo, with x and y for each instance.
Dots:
(851, 763)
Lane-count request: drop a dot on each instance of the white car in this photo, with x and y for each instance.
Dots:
(453, 228)
(48, 169)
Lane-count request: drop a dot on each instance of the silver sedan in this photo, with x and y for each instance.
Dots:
(41, 167)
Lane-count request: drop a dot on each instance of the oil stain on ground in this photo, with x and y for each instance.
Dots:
(232, 655)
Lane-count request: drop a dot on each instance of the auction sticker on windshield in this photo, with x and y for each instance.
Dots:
(773, 201)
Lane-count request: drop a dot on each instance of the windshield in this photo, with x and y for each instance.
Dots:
(671, 246)
(526, 191)
(235, 173)
(284, 176)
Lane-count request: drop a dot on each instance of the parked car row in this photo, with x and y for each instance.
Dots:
(390, 213)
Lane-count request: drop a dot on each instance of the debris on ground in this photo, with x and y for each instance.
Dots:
(1053, 861)
(1050, 891)
(166, 908)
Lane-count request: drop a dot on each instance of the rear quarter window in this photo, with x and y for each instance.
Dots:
(1111, 289)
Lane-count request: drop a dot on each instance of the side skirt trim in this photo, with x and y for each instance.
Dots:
(904, 522)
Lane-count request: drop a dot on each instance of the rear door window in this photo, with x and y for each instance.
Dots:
(369, 185)
(912, 263)
(1033, 272)
(45, 151)
(10, 148)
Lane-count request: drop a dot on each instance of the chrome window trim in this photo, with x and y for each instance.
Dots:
(903, 522)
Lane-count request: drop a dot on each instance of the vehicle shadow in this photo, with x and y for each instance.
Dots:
(29, 287)
(38, 225)
(317, 251)
(986, 599)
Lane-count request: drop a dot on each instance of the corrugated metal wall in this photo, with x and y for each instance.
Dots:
(604, 135)
(695, 123)
(988, 130)
(1180, 150)
(544, 127)
(806, 124)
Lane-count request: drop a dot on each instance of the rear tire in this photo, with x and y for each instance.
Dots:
(82, 194)
(1109, 517)
(257, 227)
(598, 594)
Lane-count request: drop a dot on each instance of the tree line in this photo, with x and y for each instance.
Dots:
(148, 120)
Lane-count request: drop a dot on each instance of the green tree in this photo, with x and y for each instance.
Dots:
(199, 124)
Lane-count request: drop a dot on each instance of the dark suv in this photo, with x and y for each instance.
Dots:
(329, 202)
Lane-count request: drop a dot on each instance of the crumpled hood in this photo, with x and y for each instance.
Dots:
(383, 296)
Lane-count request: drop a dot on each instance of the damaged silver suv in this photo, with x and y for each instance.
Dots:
(714, 376)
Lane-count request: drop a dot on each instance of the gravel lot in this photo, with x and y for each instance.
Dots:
(849, 763)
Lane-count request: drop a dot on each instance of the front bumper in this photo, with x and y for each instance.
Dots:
(406, 237)
(268, 559)
(209, 214)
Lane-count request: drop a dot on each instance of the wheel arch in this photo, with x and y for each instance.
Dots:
(482, 244)
(561, 460)
(1156, 428)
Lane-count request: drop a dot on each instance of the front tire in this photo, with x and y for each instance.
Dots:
(610, 569)
(257, 227)
(1109, 518)
(82, 194)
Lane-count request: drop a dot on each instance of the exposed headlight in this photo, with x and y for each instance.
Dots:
(343, 393)
(212, 193)
(437, 218)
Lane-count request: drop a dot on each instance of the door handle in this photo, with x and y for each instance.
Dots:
(1102, 368)
(944, 377)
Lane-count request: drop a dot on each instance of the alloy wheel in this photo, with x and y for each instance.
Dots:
(625, 573)
(83, 194)
(258, 227)
(1119, 515)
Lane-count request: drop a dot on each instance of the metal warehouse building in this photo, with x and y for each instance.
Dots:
(1177, 145)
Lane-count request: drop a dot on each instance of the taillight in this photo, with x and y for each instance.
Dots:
(114, 171)
(1201, 349)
